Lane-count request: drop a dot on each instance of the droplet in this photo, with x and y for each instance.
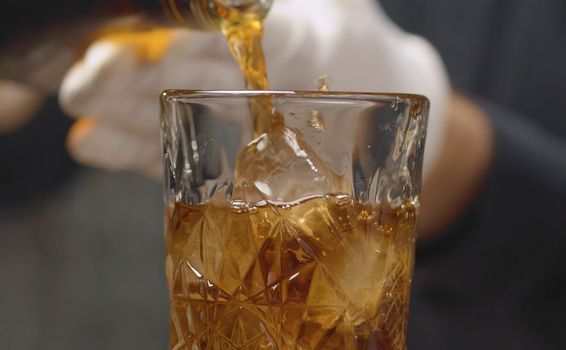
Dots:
(322, 82)
(317, 121)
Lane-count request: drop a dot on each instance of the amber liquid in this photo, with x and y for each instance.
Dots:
(245, 35)
(323, 273)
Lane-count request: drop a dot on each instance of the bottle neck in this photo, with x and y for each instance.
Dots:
(195, 14)
(208, 14)
(188, 13)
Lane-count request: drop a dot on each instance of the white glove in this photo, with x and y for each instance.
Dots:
(352, 41)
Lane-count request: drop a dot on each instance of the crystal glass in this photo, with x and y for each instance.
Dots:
(301, 237)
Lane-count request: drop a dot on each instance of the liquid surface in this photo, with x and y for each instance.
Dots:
(324, 273)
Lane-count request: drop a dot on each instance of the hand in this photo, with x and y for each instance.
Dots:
(114, 90)
(359, 48)
(461, 167)
(117, 82)
(18, 104)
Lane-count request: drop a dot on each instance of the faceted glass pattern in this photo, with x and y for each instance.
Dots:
(322, 271)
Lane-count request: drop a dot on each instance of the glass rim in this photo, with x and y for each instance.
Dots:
(177, 95)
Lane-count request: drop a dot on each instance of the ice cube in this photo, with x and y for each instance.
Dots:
(352, 253)
(280, 166)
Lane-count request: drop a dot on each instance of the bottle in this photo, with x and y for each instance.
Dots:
(41, 30)
(207, 14)
(195, 14)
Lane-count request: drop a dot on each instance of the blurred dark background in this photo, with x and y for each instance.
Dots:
(81, 250)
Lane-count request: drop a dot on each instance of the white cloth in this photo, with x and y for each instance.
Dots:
(351, 41)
